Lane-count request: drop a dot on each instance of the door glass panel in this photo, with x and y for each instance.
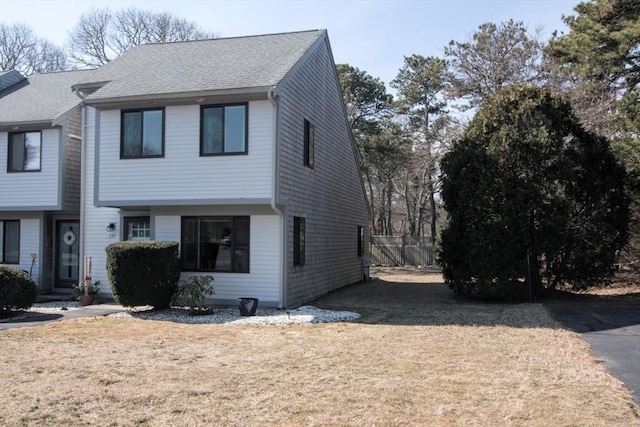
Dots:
(68, 236)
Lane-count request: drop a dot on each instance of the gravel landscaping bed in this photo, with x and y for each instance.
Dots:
(230, 316)
(226, 315)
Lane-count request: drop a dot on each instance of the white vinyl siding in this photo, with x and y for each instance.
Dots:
(30, 243)
(37, 188)
(94, 232)
(262, 282)
(182, 174)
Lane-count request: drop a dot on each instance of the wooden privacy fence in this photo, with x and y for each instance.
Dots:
(402, 250)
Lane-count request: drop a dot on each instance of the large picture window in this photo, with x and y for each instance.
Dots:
(142, 133)
(9, 242)
(24, 152)
(215, 243)
(223, 129)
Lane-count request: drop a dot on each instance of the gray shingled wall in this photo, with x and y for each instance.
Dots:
(330, 197)
(72, 153)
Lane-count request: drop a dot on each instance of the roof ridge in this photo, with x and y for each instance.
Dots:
(232, 37)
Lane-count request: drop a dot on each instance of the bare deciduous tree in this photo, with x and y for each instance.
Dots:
(101, 35)
(21, 50)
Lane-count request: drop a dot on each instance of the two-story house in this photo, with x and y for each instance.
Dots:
(40, 162)
(237, 148)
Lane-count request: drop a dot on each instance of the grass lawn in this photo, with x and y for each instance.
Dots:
(416, 357)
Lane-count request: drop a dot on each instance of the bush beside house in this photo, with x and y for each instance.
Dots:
(17, 289)
(143, 272)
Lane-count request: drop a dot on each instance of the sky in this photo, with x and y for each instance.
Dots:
(372, 35)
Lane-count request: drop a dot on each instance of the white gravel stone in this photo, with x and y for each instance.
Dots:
(55, 307)
(231, 316)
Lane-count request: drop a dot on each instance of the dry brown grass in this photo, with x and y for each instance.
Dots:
(417, 357)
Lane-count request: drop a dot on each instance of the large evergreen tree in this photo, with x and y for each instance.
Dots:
(597, 64)
(420, 84)
(527, 179)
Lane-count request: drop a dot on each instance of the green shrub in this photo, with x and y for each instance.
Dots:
(143, 273)
(17, 289)
(192, 293)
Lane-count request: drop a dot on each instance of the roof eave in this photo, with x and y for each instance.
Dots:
(182, 98)
(25, 125)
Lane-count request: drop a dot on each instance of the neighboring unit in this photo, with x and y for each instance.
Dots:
(239, 149)
(40, 143)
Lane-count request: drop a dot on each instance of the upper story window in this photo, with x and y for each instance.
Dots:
(142, 133)
(309, 140)
(9, 242)
(223, 129)
(24, 152)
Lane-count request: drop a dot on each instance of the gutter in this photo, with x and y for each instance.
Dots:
(271, 95)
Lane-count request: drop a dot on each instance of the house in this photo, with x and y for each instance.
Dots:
(40, 165)
(237, 148)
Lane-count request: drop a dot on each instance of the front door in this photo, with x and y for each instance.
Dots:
(67, 253)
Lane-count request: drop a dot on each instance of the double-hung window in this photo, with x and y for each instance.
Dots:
(9, 242)
(215, 243)
(223, 129)
(142, 133)
(24, 152)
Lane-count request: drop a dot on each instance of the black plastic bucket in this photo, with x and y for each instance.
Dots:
(247, 306)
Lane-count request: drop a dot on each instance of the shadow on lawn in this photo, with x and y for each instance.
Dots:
(25, 317)
(397, 303)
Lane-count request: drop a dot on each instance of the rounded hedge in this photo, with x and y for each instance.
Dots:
(17, 289)
(143, 272)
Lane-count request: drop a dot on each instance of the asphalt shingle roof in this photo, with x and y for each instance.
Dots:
(204, 65)
(44, 98)
(9, 78)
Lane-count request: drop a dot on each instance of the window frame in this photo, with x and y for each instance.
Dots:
(233, 247)
(360, 241)
(127, 220)
(246, 129)
(123, 113)
(10, 152)
(299, 240)
(309, 144)
(3, 242)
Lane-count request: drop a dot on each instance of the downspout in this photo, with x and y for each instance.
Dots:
(274, 197)
(83, 184)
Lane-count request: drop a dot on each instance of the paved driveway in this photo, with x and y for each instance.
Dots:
(611, 326)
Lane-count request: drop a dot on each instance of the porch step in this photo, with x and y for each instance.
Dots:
(54, 297)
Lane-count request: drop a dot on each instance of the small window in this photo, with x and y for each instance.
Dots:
(223, 129)
(298, 241)
(24, 152)
(309, 139)
(137, 228)
(215, 243)
(142, 133)
(9, 242)
(360, 241)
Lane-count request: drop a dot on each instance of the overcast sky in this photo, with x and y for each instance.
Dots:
(373, 35)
